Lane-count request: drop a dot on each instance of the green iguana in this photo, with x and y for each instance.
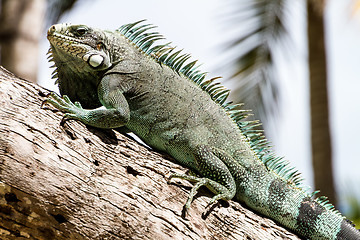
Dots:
(154, 91)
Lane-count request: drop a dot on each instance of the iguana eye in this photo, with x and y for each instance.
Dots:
(99, 46)
(81, 31)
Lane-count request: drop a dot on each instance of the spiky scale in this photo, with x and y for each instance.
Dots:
(138, 31)
(171, 58)
(55, 76)
(187, 68)
(199, 78)
(158, 50)
(126, 28)
(179, 61)
(147, 41)
(221, 99)
(164, 53)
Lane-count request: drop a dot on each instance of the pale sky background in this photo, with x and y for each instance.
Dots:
(199, 27)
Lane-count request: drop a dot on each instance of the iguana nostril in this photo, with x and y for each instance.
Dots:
(51, 30)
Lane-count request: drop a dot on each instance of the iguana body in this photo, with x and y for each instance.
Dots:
(168, 103)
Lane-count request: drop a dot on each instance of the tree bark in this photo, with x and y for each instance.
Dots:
(320, 129)
(77, 182)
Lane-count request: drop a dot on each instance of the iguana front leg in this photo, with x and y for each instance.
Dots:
(216, 168)
(115, 114)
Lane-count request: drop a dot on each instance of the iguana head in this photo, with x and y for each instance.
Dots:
(81, 55)
(80, 42)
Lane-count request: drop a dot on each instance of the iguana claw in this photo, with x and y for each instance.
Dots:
(64, 104)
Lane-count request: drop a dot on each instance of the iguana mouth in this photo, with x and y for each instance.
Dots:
(69, 44)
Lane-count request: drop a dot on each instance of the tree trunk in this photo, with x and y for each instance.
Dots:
(320, 131)
(78, 182)
(21, 26)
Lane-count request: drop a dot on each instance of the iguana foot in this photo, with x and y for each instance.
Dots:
(101, 117)
(64, 104)
(222, 191)
(213, 165)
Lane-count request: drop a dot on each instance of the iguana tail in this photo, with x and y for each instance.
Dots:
(293, 207)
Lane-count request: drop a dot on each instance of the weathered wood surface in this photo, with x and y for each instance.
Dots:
(77, 182)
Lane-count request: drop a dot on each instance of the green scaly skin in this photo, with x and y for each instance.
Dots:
(122, 79)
